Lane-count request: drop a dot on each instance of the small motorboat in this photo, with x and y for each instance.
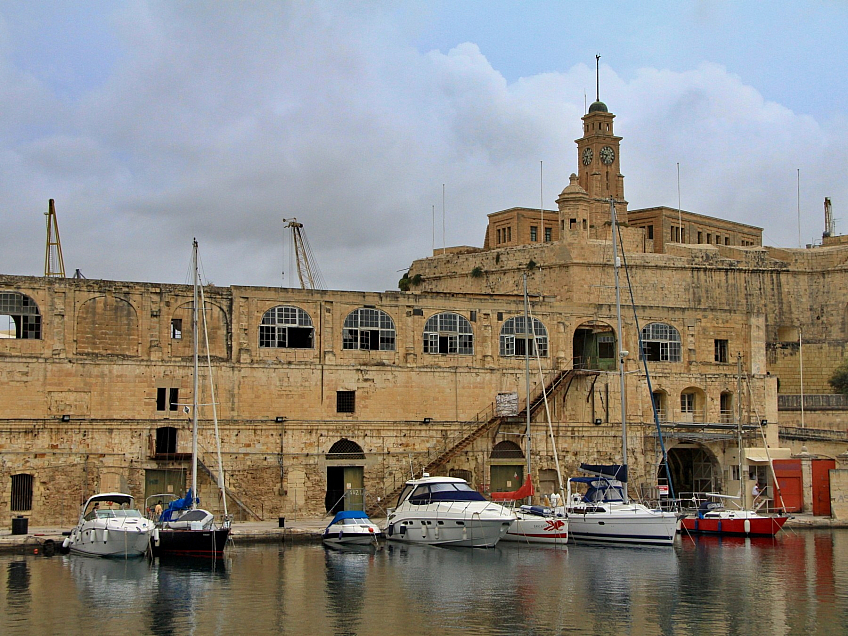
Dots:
(110, 526)
(351, 527)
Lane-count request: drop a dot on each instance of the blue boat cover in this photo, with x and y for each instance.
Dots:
(178, 505)
(614, 471)
(601, 489)
(349, 514)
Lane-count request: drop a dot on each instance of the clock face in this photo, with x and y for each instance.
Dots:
(587, 156)
(607, 155)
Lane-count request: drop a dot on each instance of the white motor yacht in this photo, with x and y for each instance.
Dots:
(446, 511)
(110, 526)
(603, 514)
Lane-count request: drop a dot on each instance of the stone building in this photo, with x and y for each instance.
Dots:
(328, 397)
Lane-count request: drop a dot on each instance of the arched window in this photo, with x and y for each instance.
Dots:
(507, 450)
(448, 333)
(345, 449)
(287, 328)
(660, 343)
(369, 329)
(19, 317)
(515, 338)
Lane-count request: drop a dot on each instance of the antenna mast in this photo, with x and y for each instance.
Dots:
(54, 265)
(307, 269)
(597, 78)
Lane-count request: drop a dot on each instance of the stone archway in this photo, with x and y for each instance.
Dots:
(593, 346)
(694, 469)
(345, 477)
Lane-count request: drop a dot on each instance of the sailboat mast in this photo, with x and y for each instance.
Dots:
(739, 424)
(528, 331)
(621, 352)
(195, 389)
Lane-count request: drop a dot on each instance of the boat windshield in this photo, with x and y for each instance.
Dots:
(447, 491)
(113, 514)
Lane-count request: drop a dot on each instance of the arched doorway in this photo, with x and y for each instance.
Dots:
(345, 477)
(507, 467)
(593, 346)
(694, 469)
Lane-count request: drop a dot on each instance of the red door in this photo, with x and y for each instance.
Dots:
(821, 486)
(789, 479)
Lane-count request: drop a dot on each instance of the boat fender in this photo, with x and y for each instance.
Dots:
(105, 535)
(747, 526)
(156, 537)
(391, 529)
(341, 535)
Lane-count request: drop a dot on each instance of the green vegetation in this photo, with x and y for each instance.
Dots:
(416, 280)
(531, 264)
(477, 272)
(839, 379)
(404, 283)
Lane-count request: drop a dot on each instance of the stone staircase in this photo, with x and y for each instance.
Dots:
(492, 421)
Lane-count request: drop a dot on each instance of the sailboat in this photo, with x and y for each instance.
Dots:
(533, 524)
(604, 513)
(184, 529)
(714, 518)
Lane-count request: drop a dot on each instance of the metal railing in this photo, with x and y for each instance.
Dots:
(813, 402)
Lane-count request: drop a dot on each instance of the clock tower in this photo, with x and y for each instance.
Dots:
(598, 157)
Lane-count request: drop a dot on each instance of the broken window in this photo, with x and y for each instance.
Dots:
(19, 317)
(287, 328)
(516, 339)
(176, 328)
(345, 401)
(660, 343)
(21, 492)
(606, 346)
(368, 329)
(448, 333)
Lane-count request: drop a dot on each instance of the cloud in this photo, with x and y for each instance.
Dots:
(220, 122)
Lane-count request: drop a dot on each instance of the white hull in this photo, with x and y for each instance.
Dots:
(361, 539)
(536, 529)
(621, 523)
(450, 524)
(116, 529)
(109, 542)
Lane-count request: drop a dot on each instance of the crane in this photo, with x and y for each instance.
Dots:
(54, 265)
(307, 269)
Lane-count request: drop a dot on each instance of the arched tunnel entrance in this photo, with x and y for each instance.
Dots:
(694, 469)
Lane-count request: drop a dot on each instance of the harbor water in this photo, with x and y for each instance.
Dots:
(794, 584)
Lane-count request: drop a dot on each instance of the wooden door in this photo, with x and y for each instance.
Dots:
(789, 479)
(821, 486)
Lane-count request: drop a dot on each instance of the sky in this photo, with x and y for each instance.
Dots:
(391, 128)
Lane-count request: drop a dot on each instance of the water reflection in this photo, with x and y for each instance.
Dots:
(795, 584)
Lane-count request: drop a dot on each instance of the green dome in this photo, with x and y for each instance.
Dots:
(598, 107)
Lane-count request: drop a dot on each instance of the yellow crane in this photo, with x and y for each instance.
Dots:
(307, 269)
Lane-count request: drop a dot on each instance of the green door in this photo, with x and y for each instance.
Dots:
(160, 482)
(354, 481)
(506, 478)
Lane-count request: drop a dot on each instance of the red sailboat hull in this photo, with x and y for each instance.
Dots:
(748, 527)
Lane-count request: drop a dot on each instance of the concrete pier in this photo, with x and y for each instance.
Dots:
(46, 539)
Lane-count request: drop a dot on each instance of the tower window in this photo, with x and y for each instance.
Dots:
(176, 328)
(548, 236)
(721, 350)
(534, 231)
(650, 231)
